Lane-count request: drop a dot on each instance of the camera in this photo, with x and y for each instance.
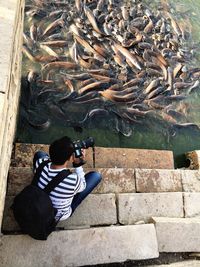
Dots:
(82, 144)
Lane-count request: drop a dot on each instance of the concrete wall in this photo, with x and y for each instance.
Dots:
(11, 28)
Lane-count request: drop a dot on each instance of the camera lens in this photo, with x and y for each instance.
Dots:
(89, 142)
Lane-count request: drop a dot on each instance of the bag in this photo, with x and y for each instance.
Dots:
(33, 209)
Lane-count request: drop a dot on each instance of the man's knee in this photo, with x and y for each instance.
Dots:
(95, 176)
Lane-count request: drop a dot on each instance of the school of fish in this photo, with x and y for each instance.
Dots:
(115, 57)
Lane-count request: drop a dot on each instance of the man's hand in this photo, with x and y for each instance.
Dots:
(79, 161)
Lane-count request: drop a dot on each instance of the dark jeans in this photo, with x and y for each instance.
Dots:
(92, 180)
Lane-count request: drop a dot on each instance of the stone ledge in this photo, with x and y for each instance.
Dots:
(96, 209)
(158, 180)
(177, 235)
(81, 247)
(121, 157)
(136, 207)
(115, 180)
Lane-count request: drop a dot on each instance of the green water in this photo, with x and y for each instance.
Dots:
(151, 133)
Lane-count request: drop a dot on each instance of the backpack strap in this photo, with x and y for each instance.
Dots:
(56, 180)
(38, 172)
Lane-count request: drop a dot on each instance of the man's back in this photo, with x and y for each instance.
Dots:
(63, 194)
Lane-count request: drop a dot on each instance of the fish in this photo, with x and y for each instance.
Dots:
(43, 125)
(153, 84)
(73, 52)
(79, 5)
(53, 14)
(55, 43)
(49, 51)
(28, 42)
(69, 84)
(192, 87)
(170, 80)
(33, 32)
(95, 112)
(123, 127)
(186, 125)
(87, 46)
(80, 77)
(92, 86)
(57, 65)
(111, 95)
(177, 69)
(45, 58)
(124, 12)
(136, 112)
(92, 19)
(52, 26)
(133, 82)
(128, 55)
(149, 27)
(26, 51)
(68, 97)
(100, 5)
(182, 85)
(155, 92)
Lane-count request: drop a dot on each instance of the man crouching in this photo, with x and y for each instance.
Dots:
(75, 187)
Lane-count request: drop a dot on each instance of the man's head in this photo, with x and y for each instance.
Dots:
(61, 150)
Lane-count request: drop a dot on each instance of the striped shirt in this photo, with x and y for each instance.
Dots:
(62, 195)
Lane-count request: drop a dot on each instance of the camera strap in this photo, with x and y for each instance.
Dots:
(93, 154)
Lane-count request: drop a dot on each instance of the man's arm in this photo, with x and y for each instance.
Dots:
(81, 183)
(77, 163)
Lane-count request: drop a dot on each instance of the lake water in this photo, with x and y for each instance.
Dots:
(42, 120)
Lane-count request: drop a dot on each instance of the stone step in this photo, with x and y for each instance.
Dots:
(123, 208)
(178, 234)
(120, 180)
(95, 210)
(112, 209)
(80, 247)
(105, 157)
(115, 180)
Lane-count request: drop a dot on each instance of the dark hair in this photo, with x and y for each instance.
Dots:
(61, 150)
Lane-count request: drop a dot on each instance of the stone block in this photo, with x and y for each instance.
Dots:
(116, 180)
(191, 204)
(18, 178)
(191, 180)
(121, 157)
(178, 234)
(194, 159)
(132, 158)
(136, 207)
(9, 223)
(24, 153)
(81, 247)
(96, 209)
(158, 180)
